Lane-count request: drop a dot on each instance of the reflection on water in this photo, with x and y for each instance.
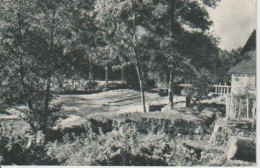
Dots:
(109, 101)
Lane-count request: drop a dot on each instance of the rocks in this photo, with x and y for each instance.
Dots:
(241, 149)
(194, 149)
(220, 132)
(155, 107)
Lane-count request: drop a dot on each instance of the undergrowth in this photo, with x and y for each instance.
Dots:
(124, 145)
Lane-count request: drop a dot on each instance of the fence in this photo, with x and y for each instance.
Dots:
(240, 108)
(222, 89)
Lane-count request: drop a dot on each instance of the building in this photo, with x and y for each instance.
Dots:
(241, 103)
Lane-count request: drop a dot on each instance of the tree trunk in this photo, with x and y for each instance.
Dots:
(165, 81)
(106, 74)
(123, 73)
(90, 70)
(159, 79)
(172, 20)
(21, 71)
(214, 73)
(29, 98)
(170, 91)
(188, 100)
(48, 94)
(141, 86)
(48, 87)
(138, 66)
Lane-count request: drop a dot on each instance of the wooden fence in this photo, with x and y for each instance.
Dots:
(240, 109)
(222, 89)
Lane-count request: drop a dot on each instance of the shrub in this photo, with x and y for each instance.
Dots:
(41, 120)
(68, 87)
(23, 148)
(122, 146)
(91, 85)
(115, 85)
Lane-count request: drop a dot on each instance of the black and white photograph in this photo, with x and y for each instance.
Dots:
(128, 83)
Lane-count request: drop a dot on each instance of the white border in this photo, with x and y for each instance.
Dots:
(258, 117)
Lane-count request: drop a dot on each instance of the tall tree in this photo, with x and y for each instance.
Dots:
(131, 19)
(82, 29)
(106, 48)
(50, 21)
(31, 56)
(179, 20)
(15, 61)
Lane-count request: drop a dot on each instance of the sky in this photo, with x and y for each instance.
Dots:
(234, 21)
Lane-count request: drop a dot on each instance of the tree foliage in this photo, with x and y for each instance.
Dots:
(43, 42)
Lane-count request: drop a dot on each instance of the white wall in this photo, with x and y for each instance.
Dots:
(240, 82)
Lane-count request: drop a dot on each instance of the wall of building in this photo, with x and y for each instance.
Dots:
(240, 83)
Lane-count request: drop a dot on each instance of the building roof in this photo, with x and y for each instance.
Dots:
(247, 66)
(250, 44)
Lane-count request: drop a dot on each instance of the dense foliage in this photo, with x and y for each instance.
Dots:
(44, 40)
(123, 145)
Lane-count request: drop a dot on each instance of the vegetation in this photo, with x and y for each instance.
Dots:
(44, 40)
(123, 145)
(45, 43)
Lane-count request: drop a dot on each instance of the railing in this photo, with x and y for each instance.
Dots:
(222, 89)
(240, 109)
(219, 89)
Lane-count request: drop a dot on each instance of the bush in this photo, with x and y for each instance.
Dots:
(122, 146)
(68, 87)
(41, 120)
(91, 85)
(115, 85)
(23, 147)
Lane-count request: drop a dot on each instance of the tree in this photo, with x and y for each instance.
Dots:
(107, 50)
(105, 56)
(82, 31)
(15, 22)
(30, 57)
(49, 22)
(225, 60)
(178, 20)
(130, 20)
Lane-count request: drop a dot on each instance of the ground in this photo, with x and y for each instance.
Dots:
(109, 110)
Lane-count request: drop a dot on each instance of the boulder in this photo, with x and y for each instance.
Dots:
(239, 148)
(155, 107)
(220, 130)
(194, 148)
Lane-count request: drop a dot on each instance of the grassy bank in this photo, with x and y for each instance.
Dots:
(180, 137)
(90, 87)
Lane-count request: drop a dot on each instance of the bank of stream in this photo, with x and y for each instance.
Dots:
(109, 128)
